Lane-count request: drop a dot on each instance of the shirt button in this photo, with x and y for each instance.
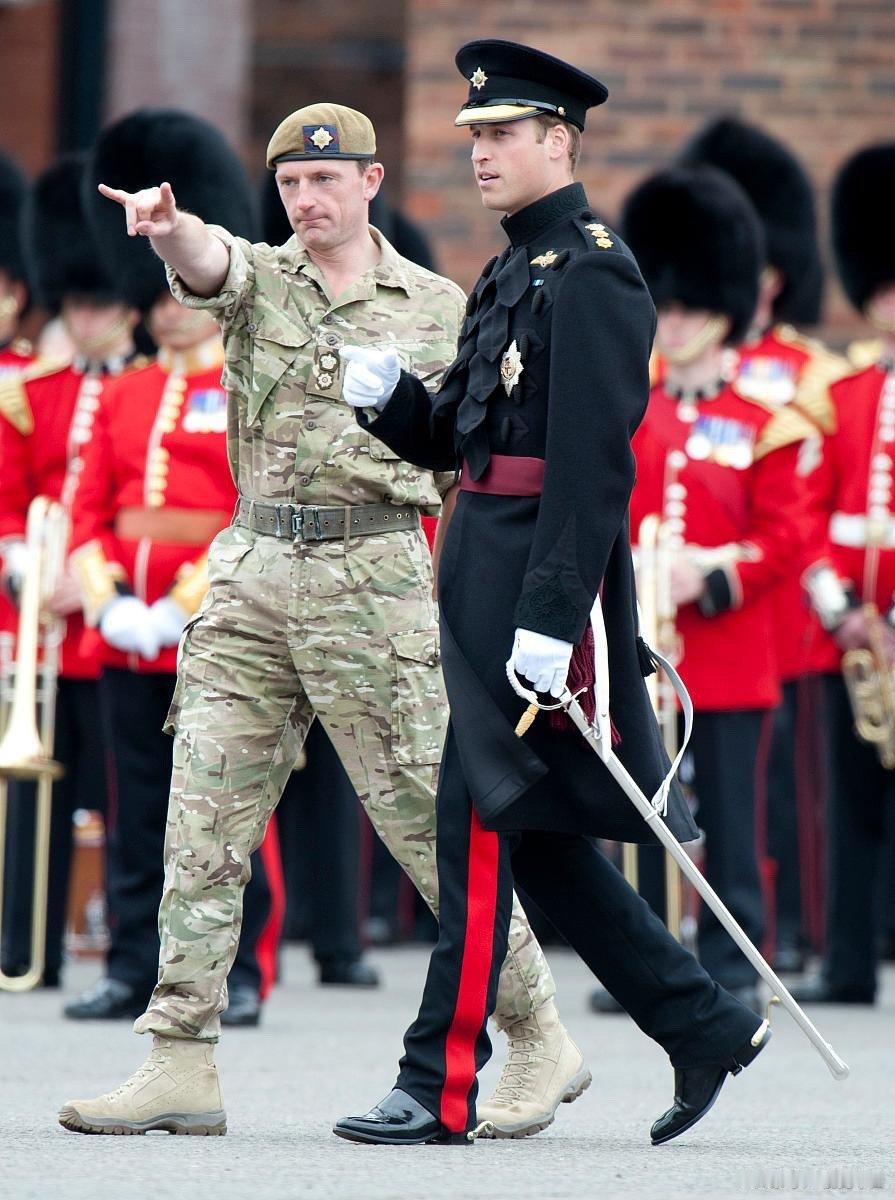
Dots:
(328, 319)
(332, 340)
(310, 424)
(251, 327)
(304, 480)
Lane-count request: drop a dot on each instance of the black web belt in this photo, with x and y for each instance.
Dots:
(315, 523)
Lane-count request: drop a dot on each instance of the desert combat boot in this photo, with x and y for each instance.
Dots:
(177, 1089)
(544, 1068)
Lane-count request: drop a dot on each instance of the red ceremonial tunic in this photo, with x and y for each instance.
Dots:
(853, 494)
(158, 444)
(722, 473)
(784, 368)
(45, 411)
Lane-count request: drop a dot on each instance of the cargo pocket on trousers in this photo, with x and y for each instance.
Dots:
(418, 704)
(183, 649)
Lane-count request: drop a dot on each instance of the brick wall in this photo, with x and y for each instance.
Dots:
(350, 51)
(28, 66)
(820, 74)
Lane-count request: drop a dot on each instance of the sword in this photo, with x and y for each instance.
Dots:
(598, 737)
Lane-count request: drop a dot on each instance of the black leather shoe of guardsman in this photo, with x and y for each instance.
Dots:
(243, 1007)
(398, 1120)
(108, 1000)
(696, 1088)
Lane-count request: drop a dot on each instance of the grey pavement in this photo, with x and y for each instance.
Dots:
(322, 1053)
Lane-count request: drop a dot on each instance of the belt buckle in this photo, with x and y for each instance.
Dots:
(300, 518)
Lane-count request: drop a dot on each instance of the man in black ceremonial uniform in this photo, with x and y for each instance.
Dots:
(550, 382)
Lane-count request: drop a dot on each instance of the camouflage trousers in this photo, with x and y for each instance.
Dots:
(289, 631)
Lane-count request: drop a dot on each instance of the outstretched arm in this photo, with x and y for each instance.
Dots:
(180, 239)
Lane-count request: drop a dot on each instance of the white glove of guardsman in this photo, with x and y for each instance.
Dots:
(543, 661)
(127, 624)
(370, 377)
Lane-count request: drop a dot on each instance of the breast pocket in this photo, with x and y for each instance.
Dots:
(277, 344)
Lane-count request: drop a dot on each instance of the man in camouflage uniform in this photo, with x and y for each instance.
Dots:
(319, 603)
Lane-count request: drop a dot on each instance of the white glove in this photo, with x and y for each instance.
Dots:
(168, 621)
(15, 564)
(543, 661)
(370, 377)
(127, 625)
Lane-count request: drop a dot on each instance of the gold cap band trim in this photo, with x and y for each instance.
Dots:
(495, 114)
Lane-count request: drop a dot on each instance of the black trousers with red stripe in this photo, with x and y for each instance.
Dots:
(661, 985)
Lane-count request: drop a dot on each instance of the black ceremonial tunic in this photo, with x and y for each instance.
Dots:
(566, 300)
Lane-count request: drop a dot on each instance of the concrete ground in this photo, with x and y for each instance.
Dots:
(784, 1125)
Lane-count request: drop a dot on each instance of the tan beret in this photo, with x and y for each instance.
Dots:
(322, 131)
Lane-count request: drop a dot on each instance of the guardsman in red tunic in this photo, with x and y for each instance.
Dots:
(720, 468)
(854, 568)
(47, 410)
(778, 366)
(154, 491)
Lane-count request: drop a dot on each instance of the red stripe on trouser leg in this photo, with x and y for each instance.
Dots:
(269, 938)
(475, 972)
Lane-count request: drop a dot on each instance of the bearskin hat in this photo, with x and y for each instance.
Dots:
(863, 202)
(13, 190)
(62, 257)
(783, 197)
(151, 146)
(698, 242)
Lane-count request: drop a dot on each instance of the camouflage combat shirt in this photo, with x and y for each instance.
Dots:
(291, 437)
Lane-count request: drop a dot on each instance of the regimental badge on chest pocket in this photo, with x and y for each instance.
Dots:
(325, 377)
(721, 440)
(206, 411)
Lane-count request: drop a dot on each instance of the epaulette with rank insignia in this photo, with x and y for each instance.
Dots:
(785, 427)
(13, 397)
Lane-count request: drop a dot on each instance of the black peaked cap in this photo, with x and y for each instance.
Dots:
(783, 197)
(508, 81)
(151, 146)
(698, 242)
(863, 239)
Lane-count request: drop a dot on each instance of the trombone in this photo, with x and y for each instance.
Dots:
(27, 744)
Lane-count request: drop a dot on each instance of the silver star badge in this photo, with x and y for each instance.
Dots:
(478, 79)
(511, 367)
(321, 138)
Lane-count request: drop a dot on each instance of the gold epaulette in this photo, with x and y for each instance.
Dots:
(864, 353)
(785, 427)
(14, 403)
(45, 365)
(96, 579)
(191, 585)
(813, 388)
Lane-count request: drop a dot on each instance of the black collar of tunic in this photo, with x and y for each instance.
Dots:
(530, 222)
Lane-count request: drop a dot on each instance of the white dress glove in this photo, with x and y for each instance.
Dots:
(168, 621)
(127, 625)
(15, 564)
(543, 661)
(370, 377)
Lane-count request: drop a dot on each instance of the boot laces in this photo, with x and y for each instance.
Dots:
(153, 1064)
(521, 1063)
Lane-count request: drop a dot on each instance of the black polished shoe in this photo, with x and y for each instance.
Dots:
(243, 1007)
(107, 1000)
(398, 1120)
(789, 958)
(818, 991)
(348, 972)
(601, 1001)
(696, 1088)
